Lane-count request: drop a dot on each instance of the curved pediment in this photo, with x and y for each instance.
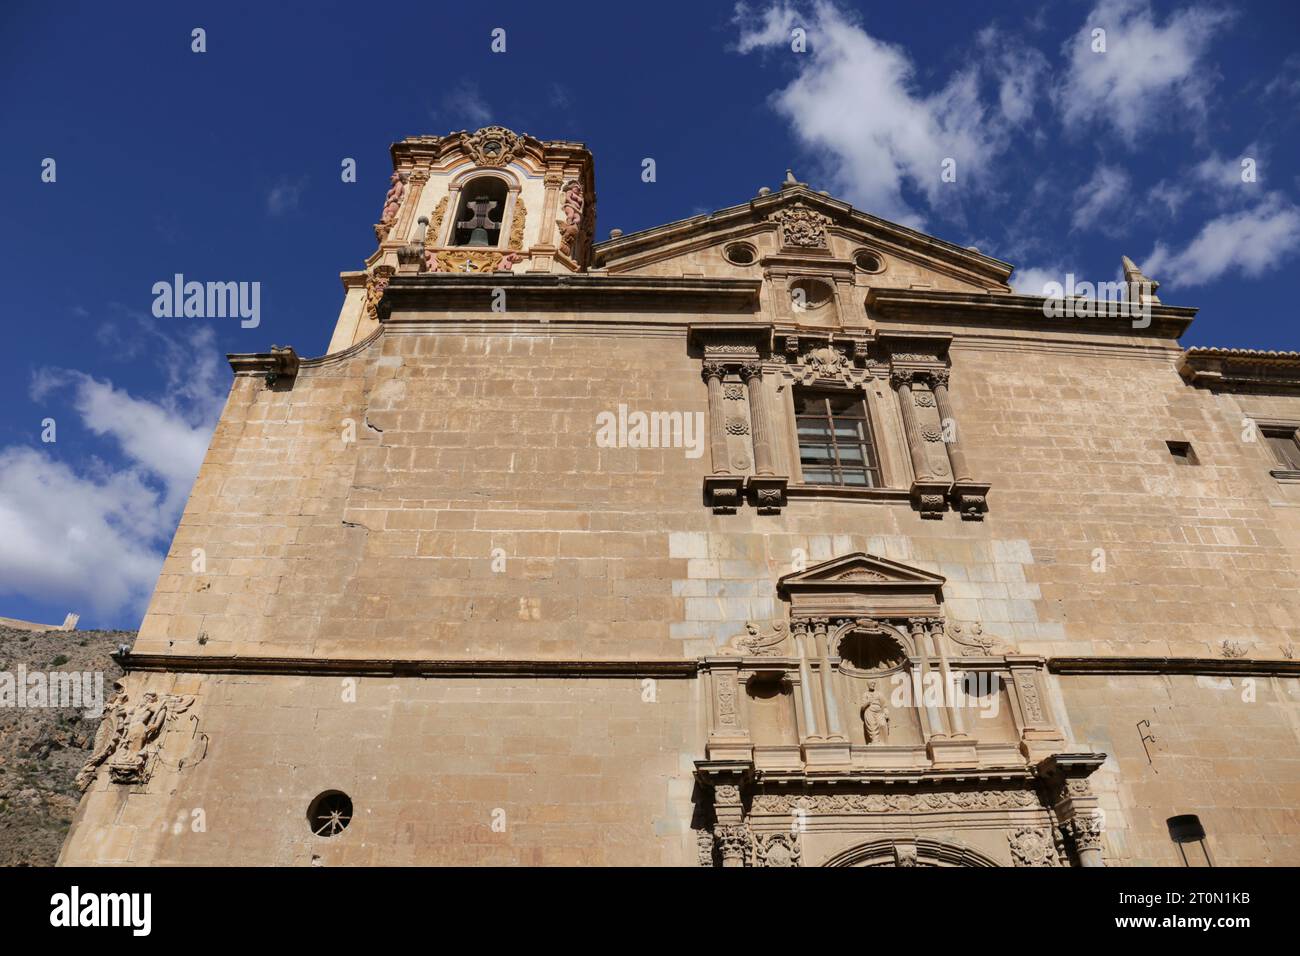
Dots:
(863, 585)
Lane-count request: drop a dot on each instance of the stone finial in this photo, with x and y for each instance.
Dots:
(1141, 289)
(790, 180)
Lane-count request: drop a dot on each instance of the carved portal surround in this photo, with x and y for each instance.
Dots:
(871, 730)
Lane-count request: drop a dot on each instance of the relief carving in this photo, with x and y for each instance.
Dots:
(802, 228)
(392, 203)
(129, 739)
(777, 849)
(1033, 847)
(570, 222)
(494, 146)
(752, 643)
(782, 803)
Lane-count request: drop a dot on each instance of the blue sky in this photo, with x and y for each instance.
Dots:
(225, 165)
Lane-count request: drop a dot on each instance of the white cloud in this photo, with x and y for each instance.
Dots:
(76, 530)
(1251, 241)
(464, 104)
(855, 100)
(285, 196)
(1148, 71)
(1033, 280)
(1100, 198)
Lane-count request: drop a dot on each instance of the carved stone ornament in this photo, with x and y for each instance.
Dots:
(781, 803)
(931, 433)
(1030, 701)
(392, 203)
(1086, 831)
(129, 738)
(826, 361)
(494, 146)
(924, 399)
(753, 643)
(517, 224)
(463, 260)
(704, 847)
(971, 641)
(733, 843)
(737, 426)
(570, 222)
(904, 854)
(802, 228)
(376, 282)
(1033, 847)
(777, 849)
(733, 391)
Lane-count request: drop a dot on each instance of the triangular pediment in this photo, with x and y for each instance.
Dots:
(862, 569)
(800, 222)
(861, 584)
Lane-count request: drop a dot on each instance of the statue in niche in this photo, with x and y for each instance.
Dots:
(875, 715)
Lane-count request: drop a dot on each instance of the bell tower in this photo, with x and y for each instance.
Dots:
(470, 203)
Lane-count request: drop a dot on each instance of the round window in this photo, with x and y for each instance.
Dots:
(740, 254)
(867, 261)
(330, 813)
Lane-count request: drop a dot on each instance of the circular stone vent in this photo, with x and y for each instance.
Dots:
(330, 813)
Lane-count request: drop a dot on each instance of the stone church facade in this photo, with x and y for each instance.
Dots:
(783, 535)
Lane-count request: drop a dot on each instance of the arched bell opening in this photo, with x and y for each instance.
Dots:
(480, 214)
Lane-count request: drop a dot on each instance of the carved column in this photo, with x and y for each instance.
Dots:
(800, 631)
(902, 382)
(833, 727)
(1073, 802)
(969, 497)
(939, 384)
(954, 712)
(767, 487)
(937, 727)
(713, 375)
(759, 426)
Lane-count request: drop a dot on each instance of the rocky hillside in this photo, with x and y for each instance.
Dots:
(42, 748)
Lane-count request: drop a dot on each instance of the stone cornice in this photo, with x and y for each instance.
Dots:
(1241, 370)
(1229, 667)
(1020, 311)
(595, 294)
(400, 667)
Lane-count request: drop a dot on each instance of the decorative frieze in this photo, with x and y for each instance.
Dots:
(830, 803)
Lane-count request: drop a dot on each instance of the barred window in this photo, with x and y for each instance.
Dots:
(1285, 447)
(835, 442)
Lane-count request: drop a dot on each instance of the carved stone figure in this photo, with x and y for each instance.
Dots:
(138, 740)
(571, 221)
(129, 737)
(875, 715)
(107, 735)
(431, 235)
(393, 198)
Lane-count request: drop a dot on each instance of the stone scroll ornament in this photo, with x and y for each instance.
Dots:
(515, 253)
(431, 235)
(130, 735)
